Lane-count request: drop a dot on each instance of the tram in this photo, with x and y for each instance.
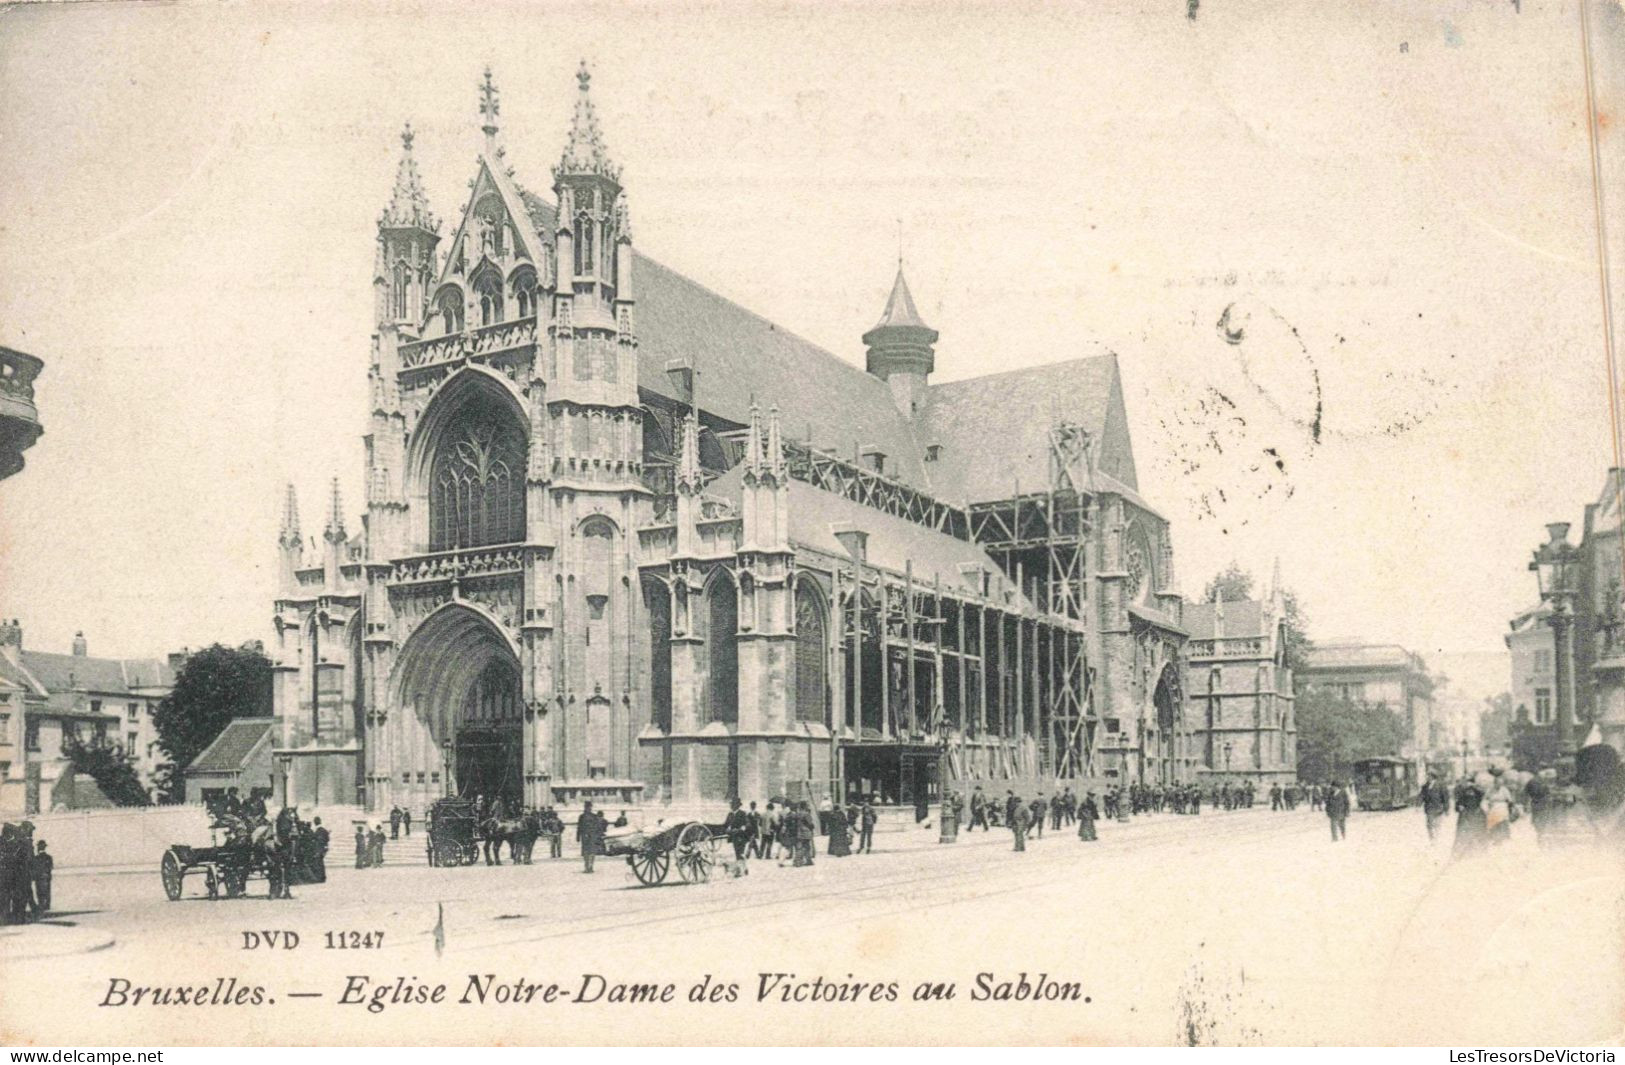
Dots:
(1385, 783)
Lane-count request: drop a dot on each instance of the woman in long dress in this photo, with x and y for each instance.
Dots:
(1499, 810)
(1470, 820)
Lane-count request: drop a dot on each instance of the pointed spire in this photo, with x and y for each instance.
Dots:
(753, 440)
(335, 516)
(900, 311)
(290, 519)
(1275, 580)
(408, 204)
(490, 106)
(688, 458)
(775, 444)
(584, 151)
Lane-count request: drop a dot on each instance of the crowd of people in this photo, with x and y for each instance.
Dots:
(26, 867)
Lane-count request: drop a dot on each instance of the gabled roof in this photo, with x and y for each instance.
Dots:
(232, 749)
(995, 430)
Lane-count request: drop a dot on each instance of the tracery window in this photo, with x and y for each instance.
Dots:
(477, 487)
(489, 288)
(584, 240)
(401, 290)
(721, 637)
(451, 311)
(811, 682)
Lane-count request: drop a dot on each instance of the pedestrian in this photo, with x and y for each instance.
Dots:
(1087, 814)
(406, 822)
(360, 847)
(866, 823)
(840, 841)
(1056, 807)
(978, 808)
(323, 839)
(737, 828)
(1435, 800)
(1337, 811)
(803, 827)
(1500, 810)
(1019, 820)
(1036, 811)
(1537, 795)
(922, 805)
(1470, 821)
(753, 825)
(394, 822)
(590, 834)
(40, 870)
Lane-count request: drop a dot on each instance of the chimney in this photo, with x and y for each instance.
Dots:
(80, 647)
(11, 634)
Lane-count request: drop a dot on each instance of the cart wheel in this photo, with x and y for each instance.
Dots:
(236, 882)
(447, 854)
(170, 871)
(650, 866)
(696, 854)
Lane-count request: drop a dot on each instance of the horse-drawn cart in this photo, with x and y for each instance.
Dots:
(453, 833)
(689, 845)
(247, 854)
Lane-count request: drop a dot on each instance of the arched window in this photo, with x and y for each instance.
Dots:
(489, 290)
(477, 484)
(402, 287)
(584, 235)
(721, 638)
(523, 289)
(811, 663)
(450, 309)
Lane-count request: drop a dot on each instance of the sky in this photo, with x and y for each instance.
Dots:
(1345, 252)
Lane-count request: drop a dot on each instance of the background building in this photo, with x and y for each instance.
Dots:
(1378, 674)
(1240, 690)
(1599, 621)
(19, 416)
(48, 698)
(1533, 680)
(593, 565)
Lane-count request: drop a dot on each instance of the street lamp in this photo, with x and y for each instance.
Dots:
(1556, 565)
(286, 762)
(445, 765)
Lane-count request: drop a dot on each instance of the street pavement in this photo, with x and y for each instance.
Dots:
(1244, 927)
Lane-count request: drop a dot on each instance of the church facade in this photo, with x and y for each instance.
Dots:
(592, 566)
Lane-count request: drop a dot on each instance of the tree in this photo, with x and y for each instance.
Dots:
(110, 767)
(1334, 733)
(1495, 723)
(1237, 584)
(215, 685)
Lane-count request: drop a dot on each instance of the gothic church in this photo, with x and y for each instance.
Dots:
(591, 566)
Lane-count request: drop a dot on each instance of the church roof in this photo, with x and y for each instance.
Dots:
(1242, 617)
(994, 431)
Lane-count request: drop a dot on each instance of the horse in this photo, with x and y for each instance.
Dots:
(495, 831)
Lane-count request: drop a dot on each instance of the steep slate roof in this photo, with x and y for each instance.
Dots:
(994, 430)
(58, 672)
(892, 543)
(740, 355)
(1242, 617)
(232, 748)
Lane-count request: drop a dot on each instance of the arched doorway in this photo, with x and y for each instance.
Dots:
(457, 680)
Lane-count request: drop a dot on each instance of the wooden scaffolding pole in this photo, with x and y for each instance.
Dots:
(908, 621)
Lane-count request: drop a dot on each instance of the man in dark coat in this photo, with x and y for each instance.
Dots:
(978, 808)
(866, 827)
(737, 828)
(1435, 800)
(360, 847)
(394, 822)
(753, 827)
(590, 834)
(1020, 819)
(254, 808)
(324, 839)
(40, 871)
(1472, 829)
(1337, 810)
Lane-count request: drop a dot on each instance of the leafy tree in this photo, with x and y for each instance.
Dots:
(1334, 733)
(215, 685)
(1237, 584)
(110, 767)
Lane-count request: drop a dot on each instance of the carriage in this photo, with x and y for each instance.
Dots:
(226, 868)
(1385, 783)
(453, 837)
(691, 846)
